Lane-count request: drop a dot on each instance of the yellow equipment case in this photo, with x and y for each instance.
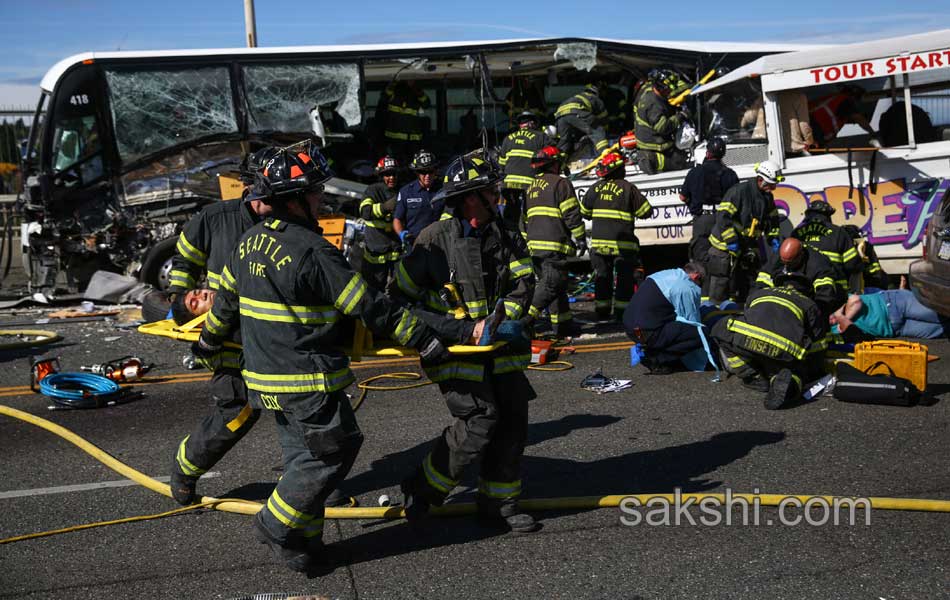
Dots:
(906, 359)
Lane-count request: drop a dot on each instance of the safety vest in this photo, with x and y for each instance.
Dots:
(553, 216)
(825, 114)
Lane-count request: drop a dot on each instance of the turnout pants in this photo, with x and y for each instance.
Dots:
(745, 364)
(605, 292)
(571, 128)
(378, 269)
(320, 440)
(651, 162)
(699, 245)
(729, 276)
(491, 423)
(551, 293)
(230, 417)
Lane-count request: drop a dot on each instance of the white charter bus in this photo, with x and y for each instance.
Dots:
(126, 146)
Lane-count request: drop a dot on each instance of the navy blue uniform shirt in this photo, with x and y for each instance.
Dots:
(415, 209)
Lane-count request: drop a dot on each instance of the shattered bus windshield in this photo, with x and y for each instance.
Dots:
(157, 109)
(281, 97)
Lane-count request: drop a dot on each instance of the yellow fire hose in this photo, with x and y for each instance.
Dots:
(248, 507)
(43, 337)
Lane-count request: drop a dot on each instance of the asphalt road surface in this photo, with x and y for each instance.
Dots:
(666, 432)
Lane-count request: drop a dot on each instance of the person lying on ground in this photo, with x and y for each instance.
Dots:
(887, 314)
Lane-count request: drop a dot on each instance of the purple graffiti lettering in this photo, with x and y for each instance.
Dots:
(920, 205)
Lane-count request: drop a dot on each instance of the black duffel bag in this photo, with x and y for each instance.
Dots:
(854, 385)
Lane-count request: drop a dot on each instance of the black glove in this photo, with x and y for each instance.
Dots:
(433, 351)
(581, 245)
(389, 206)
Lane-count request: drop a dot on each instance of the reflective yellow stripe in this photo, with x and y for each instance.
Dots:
(520, 268)
(513, 310)
(850, 254)
(189, 252)
(541, 245)
(398, 135)
(227, 280)
(214, 324)
(518, 180)
(285, 313)
(511, 364)
(437, 480)
(567, 204)
(727, 207)
(500, 490)
(406, 284)
(519, 153)
(456, 370)
(477, 308)
(379, 259)
(783, 302)
(767, 337)
(543, 211)
(578, 232)
(832, 256)
(406, 327)
(619, 215)
(824, 281)
(644, 210)
(186, 466)
(311, 525)
(181, 279)
(351, 294)
(242, 417)
(563, 317)
(765, 279)
(599, 244)
(402, 110)
(298, 383)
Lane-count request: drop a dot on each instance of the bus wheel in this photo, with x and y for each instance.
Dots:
(156, 269)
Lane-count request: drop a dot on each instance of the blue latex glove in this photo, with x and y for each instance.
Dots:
(775, 244)
(403, 235)
(733, 247)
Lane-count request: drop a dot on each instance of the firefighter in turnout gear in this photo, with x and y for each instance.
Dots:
(555, 231)
(582, 114)
(487, 272)
(517, 152)
(402, 113)
(702, 191)
(206, 243)
(613, 204)
(291, 289)
(656, 122)
(776, 345)
(795, 261)
(381, 245)
(819, 233)
(746, 213)
(873, 274)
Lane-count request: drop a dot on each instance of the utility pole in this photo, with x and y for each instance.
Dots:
(249, 25)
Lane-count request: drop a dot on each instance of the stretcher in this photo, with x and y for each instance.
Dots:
(362, 346)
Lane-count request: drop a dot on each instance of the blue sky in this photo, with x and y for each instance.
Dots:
(34, 35)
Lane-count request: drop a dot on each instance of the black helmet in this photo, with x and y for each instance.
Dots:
(291, 171)
(820, 207)
(716, 147)
(465, 175)
(253, 162)
(668, 81)
(387, 165)
(423, 161)
(853, 232)
(526, 117)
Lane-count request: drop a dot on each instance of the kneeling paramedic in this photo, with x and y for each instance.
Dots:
(488, 272)
(291, 289)
(777, 344)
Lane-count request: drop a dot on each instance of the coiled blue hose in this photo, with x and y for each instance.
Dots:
(78, 390)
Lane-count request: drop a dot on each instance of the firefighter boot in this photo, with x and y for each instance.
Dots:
(414, 505)
(756, 383)
(507, 515)
(296, 557)
(183, 487)
(336, 498)
(783, 389)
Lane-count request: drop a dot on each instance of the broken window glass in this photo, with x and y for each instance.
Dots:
(582, 55)
(280, 97)
(156, 109)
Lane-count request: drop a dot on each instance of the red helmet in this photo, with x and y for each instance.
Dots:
(546, 157)
(387, 165)
(609, 163)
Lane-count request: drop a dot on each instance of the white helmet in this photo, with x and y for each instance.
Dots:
(769, 172)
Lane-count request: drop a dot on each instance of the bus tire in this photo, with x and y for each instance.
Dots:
(157, 265)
